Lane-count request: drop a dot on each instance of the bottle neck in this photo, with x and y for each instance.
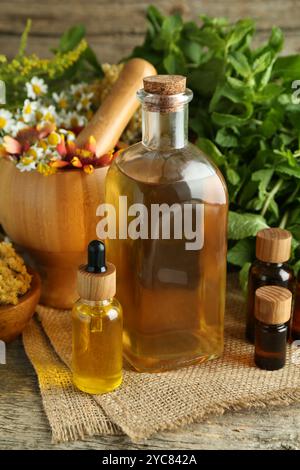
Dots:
(97, 303)
(268, 263)
(165, 130)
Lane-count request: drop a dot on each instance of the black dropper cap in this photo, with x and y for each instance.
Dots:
(96, 257)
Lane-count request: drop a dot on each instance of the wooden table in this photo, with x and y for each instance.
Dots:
(23, 424)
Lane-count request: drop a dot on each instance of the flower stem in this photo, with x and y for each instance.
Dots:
(284, 220)
(271, 196)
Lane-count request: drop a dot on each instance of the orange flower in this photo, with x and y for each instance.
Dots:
(45, 129)
(76, 162)
(3, 152)
(71, 147)
(11, 145)
(61, 147)
(59, 163)
(88, 169)
(91, 144)
(83, 153)
(106, 159)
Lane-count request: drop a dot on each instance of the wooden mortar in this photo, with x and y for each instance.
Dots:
(53, 218)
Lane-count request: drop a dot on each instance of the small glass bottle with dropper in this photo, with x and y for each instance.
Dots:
(97, 326)
(272, 312)
(273, 250)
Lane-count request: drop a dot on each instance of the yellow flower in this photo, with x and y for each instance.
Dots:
(46, 169)
(88, 169)
(54, 139)
(76, 162)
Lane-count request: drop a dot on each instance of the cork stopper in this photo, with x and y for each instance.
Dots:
(273, 245)
(273, 305)
(165, 84)
(97, 279)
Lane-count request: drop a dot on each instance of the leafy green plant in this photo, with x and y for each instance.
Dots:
(242, 115)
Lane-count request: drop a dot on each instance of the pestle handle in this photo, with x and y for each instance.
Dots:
(109, 122)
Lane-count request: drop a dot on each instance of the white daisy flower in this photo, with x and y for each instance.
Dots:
(27, 163)
(73, 119)
(85, 101)
(6, 120)
(77, 90)
(61, 118)
(47, 114)
(69, 135)
(36, 88)
(52, 154)
(61, 99)
(29, 111)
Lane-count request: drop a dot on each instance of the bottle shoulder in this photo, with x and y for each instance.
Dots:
(105, 308)
(161, 167)
(262, 271)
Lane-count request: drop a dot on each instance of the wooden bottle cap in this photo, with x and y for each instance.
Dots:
(273, 245)
(273, 305)
(96, 286)
(165, 84)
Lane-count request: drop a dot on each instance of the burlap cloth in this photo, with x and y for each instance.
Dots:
(148, 403)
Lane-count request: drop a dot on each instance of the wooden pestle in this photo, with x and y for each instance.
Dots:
(109, 122)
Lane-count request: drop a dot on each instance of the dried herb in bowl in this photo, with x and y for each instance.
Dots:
(14, 278)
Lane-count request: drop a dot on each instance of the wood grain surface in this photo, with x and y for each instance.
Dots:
(23, 424)
(114, 27)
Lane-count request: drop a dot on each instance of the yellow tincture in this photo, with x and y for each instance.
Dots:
(97, 326)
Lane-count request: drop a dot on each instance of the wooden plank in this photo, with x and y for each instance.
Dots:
(112, 48)
(23, 424)
(108, 16)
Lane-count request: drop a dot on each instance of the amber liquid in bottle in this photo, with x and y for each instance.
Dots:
(97, 322)
(97, 345)
(270, 345)
(265, 274)
(173, 298)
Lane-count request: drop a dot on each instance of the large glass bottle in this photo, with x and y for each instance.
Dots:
(172, 288)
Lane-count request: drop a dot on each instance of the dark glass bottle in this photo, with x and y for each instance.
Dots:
(273, 247)
(296, 316)
(272, 311)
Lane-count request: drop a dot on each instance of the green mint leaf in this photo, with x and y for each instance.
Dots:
(262, 62)
(243, 276)
(242, 252)
(226, 138)
(90, 56)
(174, 63)
(232, 176)
(276, 39)
(210, 149)
(287, 68)
(263, 177)
(288, 170)
(239, 31)
(240, 63)
(71, 38)
(244, 225)
(222, 119)
(205, 78)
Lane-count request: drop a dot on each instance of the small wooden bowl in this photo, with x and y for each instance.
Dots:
(14, 318)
